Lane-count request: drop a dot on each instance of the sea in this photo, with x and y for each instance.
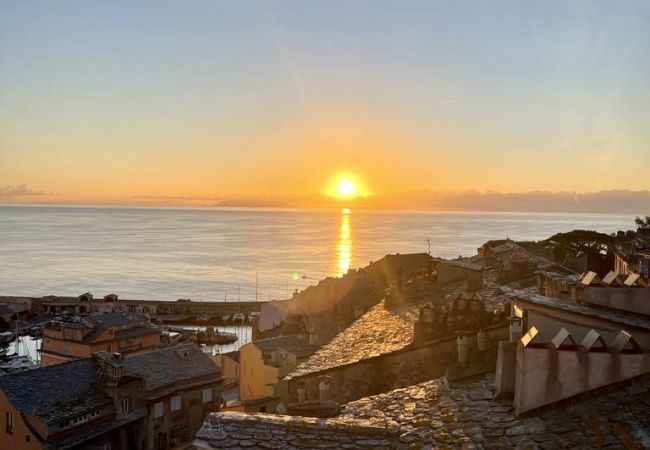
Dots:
(217, 254)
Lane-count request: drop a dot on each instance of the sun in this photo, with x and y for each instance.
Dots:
(346, 188)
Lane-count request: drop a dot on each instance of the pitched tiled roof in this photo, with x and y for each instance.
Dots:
(12, 308)
(292, 344)
(465, 415)
(54, 393)
(171, 365)
(103, 322)
(117, 319)
(464, 263)
(5, 310)
(380, 330)
(135, 332)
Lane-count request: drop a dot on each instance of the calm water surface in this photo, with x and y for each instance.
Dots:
(217, 254)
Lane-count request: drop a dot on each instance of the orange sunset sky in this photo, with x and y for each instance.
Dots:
(269, 103)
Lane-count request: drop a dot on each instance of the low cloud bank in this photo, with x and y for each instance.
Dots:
(610, 201)
(19, 190)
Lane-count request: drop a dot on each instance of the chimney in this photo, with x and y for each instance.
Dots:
(300, 390)
(516, 330)
(462, 343)
(481, 341)
(324, 389)
(113, 366)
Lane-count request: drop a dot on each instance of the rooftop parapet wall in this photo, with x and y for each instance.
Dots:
(397, 369)
(628, 299)
(240, 430)
(548, 371)
(550, 315)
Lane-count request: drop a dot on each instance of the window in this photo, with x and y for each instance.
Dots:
(207, 395)
(117, 373)
(176, 403)
(9, 423)
(158, 410)
(126, 405)
(84, 418)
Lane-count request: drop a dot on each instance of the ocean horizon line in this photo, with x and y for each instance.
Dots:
(317, 209)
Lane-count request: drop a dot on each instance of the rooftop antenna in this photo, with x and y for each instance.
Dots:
(429, 242)
(256, 280)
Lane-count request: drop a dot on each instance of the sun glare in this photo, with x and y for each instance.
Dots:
(346, 188)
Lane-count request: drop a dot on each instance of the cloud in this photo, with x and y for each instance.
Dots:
(19, 190)
(609, 201)
(175, 197)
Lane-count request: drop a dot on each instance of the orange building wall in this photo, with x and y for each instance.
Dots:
(17, 440)
(80, 350)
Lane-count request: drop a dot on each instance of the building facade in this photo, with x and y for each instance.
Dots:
(229, 365)
(68, 338)
(263, 364)
(149, 401)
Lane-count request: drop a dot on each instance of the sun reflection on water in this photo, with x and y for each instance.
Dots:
(344, 249)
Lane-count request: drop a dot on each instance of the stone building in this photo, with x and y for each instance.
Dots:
(633, 257)
(11, 313)
(334, 303)
(66, 338)
(148, 401)
(409, 339)
(381, 351)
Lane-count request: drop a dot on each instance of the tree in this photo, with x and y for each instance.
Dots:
(642, 224)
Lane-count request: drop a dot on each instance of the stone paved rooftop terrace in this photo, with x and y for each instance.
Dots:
(268, 431)
(439, 415)
(464, 415)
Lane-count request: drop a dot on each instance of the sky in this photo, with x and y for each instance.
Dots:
(268, 102)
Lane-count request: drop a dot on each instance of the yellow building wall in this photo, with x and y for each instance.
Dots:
(18, 440)
(229, 368)
(256, 379)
